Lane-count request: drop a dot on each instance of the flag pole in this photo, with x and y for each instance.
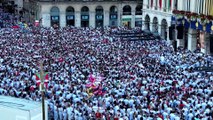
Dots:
(42, 90)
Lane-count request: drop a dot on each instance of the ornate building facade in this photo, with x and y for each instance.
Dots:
(194, 20)
(88, 13)
(157, 16)
(187, 23)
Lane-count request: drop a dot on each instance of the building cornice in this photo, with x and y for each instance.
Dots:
(157, 12)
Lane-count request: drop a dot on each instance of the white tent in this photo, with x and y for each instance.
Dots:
(20, 109)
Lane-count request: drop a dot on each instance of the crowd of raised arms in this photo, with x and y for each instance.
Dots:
(94, 75)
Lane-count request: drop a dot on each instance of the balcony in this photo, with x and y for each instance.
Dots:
(155, 12)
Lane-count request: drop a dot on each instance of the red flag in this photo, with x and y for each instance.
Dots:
(38, 79)
(160, 3)
(91, 78)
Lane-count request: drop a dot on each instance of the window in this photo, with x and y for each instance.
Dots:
(55, 18)
(148, 4)
(187, 5)
(70, 17)
(85, 17)
(156, 4)
(176, 4)
(165, 6)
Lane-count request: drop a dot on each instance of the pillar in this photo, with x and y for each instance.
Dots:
(77, 19)
(92, 19)
(133, 19)
(62, 19)
(192, 40)
(205, 44)
(160, 29)
(106, 18)
(154, 2)
(180, 42)
(46, 20)
(192, 5)
(143, 21)
(180, 4)
(145, 4)
(120, 15)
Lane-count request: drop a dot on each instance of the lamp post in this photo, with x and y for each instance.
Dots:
(42, 90)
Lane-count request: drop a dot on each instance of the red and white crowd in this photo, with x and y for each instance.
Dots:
(144, 80)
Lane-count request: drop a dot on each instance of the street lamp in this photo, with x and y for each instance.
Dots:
(42, 90)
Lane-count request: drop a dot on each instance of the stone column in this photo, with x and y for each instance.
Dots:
(192, 6)
(160, 29)
(180, 42)
(120, 15)
(192, 39)
(180, 5)
(143, 21)
(46, 20)
(205, 45)
(62, 19)
(106, 18)
(133, 19)
(77, 19)
(92, 19)
(145, 4)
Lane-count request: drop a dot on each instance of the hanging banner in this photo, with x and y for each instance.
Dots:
(36, 23)
(186, 24)
(193, 24)
(160, 3)
(208, 27)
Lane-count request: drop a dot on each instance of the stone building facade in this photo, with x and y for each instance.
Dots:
(95, 13)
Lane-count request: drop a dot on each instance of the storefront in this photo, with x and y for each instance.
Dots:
(126, 22)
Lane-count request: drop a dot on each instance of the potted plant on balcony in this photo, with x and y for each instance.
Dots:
(179, 14)
(202, 19)
(187, 15)
(209, 18)
(193, 16)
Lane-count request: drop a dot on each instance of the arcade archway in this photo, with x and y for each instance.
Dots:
(54, 16)
(164, 27)
(99, 17)
(155, 25)
(85, 16)
(126, 20)
(70, 16)
(113, 20)
(147, 23)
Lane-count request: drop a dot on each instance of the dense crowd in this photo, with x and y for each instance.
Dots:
(142, 79)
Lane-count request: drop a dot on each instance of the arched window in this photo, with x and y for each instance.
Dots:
(164, 26)
(84, 9)
(147, 22)
(70, 16)
(127, 10)
(138, 10)
(85, 16)
(155, 25)
(99, 17)
(113, 16)
(54, 14)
